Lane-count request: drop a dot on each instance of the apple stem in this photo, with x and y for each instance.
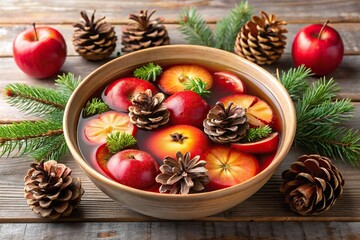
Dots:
(36, 36)
(322, 29)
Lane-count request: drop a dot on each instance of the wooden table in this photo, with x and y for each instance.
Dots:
(262, 216)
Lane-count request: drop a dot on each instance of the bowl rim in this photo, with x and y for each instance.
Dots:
(270, 169)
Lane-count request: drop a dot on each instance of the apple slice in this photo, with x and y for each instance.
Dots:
(266, 145)
(258, 112)
(229, 81)
(98, 128)
(227, 167)
(118, 94)
(174, 79)
(102, 157)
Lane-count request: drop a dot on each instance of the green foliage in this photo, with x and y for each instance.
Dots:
(320, 117)
(229, 26)
(256, 134)
(148, 72)
(42, 139)
(195, 29)
(198, 86)
(117, 141)
(95, 106)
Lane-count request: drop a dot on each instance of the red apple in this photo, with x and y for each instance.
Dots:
(184, 138)
(229, 81)
(227, 166)
(187, 107)
(39, 52)
(258, 112)
(266, 145)
(318, 47)
(102, 157)
(133, 168)
(119, 93)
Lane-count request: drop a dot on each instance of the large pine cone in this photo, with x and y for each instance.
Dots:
(144, 33)
(94, 40)
(148, 111)
(51, 191)
(226, 125)
(262, 39)
(312, 185)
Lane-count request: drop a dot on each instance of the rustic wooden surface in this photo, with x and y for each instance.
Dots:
(263, 216)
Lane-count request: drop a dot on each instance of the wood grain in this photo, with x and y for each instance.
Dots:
(26, 12)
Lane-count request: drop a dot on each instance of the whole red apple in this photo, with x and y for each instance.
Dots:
(318, 47)
(39, 52)
(133, 168)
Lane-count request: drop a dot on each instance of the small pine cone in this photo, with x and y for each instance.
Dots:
(94, 40)
(180, 175)
(144, 33)
(226, 125)
(262, 39)
(312, 185)
(51, 191)
(148, 111)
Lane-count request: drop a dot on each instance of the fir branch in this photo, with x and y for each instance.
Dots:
(229, 26)
(195, 28)
(295, 81)
(148, 72)
(198, 86)
(95, 106)
(26, 136)
(67, 83)
(256, 134)
(54, 147)
(117, 141)
(35, 100)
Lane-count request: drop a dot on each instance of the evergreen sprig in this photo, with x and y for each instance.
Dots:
(117, 141)
(148, 72)
(198, 86)
(42, 139)
(256, 134)
(95, 106)
(196, 31)
(320, 117)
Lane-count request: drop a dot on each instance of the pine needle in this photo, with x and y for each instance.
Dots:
(54, 147)
(256, 134)
(195, 29)
(229, 26)
(95, 106)
(67, 83)
(117, 141)
(198, 86)
(148, 72)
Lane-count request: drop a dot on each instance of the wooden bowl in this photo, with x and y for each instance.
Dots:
(193, 205)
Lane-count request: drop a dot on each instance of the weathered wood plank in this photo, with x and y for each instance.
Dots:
(350, 33)
(183, 230)
(118, 11)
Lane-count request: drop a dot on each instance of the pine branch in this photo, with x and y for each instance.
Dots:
(148, 72)
(198, 86)
(95, 106)
(35, 100)
(228, 27)
(67, 83)
(195, 28)
(117, 141)
(54, 147)
(256, 134)
(295, 81)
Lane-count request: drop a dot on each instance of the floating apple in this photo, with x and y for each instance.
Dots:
(258, 112)
(229, 81)
(102, 157)
(133, 168)
(184, 138)
(187, 107)
(39, 52)
(119, 93)
(266, 145)
(227, 167)
(318, 47)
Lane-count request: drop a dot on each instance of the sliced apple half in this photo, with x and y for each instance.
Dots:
(229, 81)
(266, 145)
(258, 112)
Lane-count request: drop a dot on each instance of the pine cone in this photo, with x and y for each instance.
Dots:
(51, 191)
(144, 33)
(94, 40)
(312, 185)
(226, 125)
(262, 39)
(148, 111)
(180, 175)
